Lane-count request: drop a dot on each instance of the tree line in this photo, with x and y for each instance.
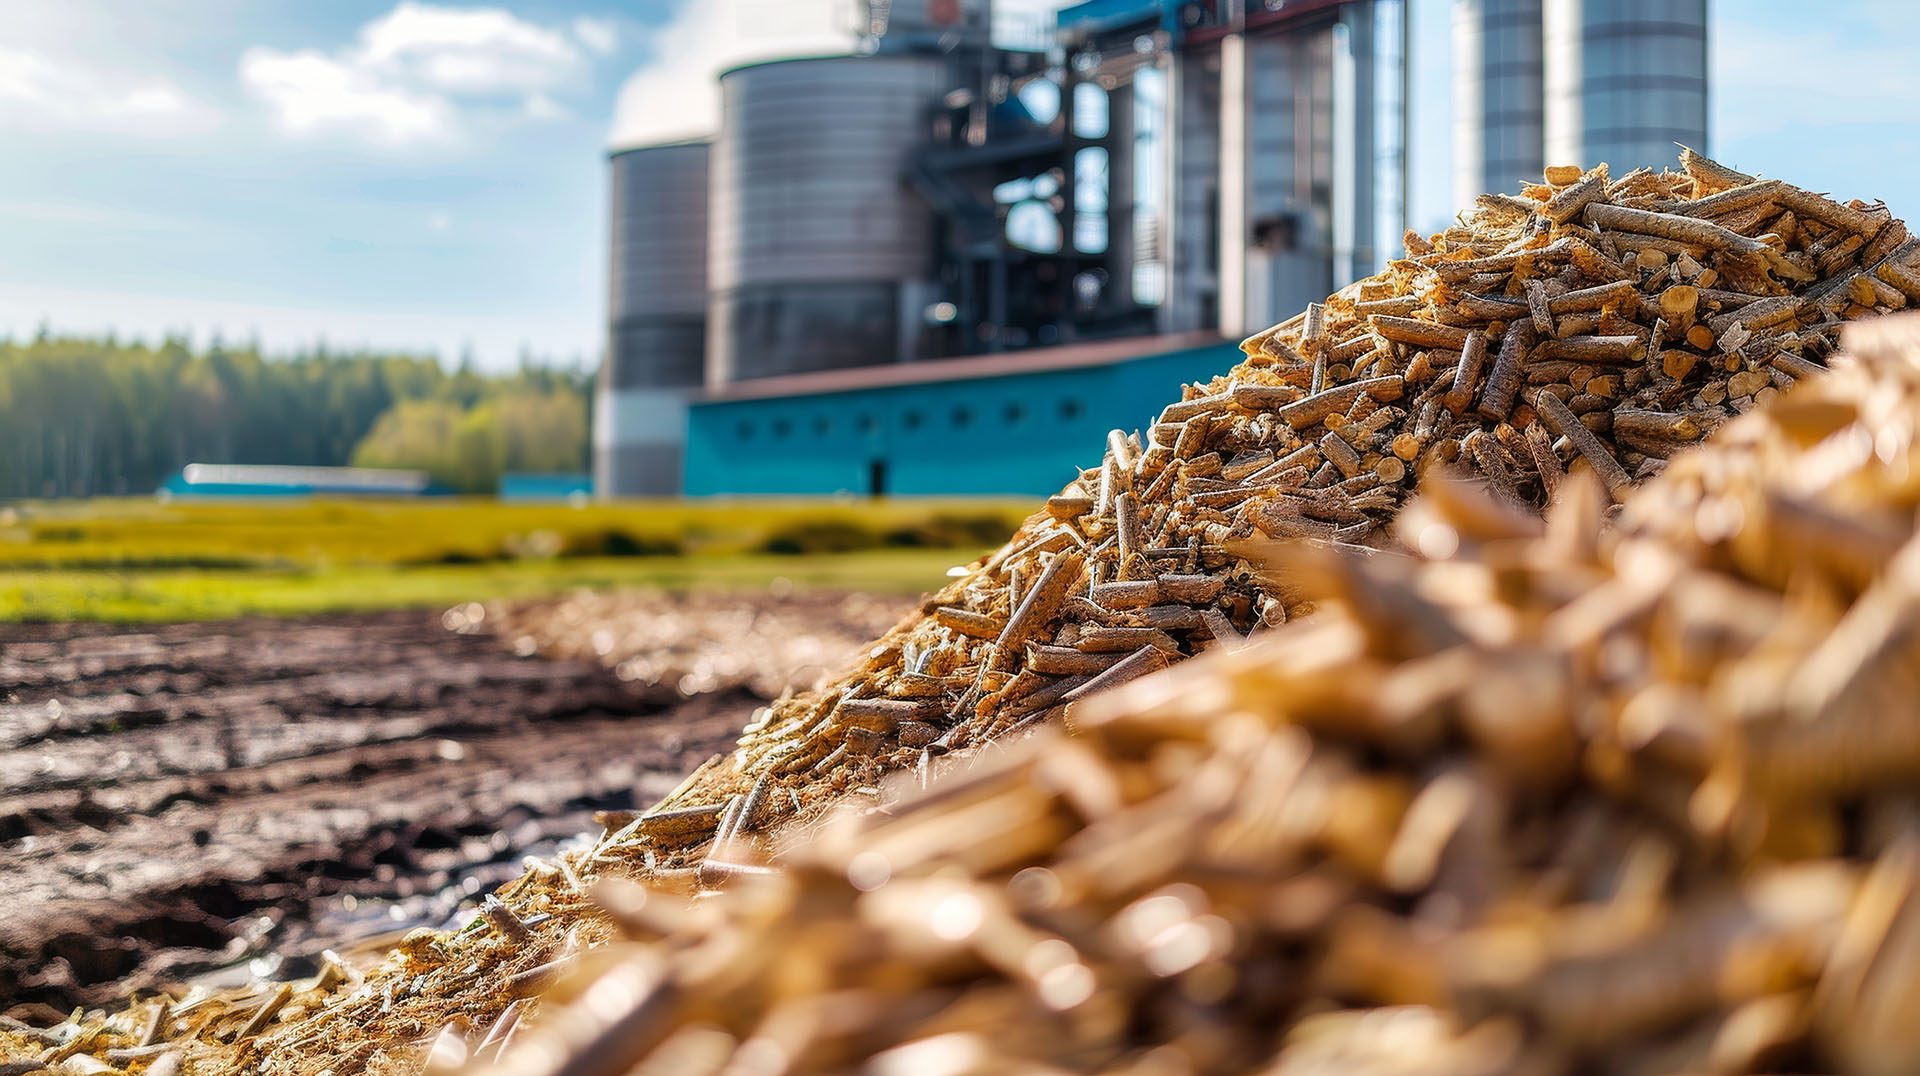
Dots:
(90, 417)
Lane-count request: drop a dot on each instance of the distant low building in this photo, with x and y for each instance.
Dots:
(270, 480)
(573, 488)
(1016, 423)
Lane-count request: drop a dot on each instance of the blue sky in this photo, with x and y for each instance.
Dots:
(382, 173)
(430, 176)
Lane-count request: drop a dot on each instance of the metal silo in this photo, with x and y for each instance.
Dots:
(657, 317)
(1626, 79)
(821, 252)
(1497, 128)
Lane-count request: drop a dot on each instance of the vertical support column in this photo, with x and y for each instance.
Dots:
(1384, 66)
(1192, 180)
(1070, 144)
(1120, 197)
(1345, 151)
(1363, 19)
(1352, 147)
(1406, 127)
(1291, 114)
(1236, 185)
(1497, 96)
(1564, 104)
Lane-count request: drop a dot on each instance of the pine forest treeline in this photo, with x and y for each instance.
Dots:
(88, 417)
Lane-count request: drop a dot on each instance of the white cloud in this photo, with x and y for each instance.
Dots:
(542, 107)
(600, 36)
(467, 50)
(674, 95)
(439, 222)
(311, 93)
(41, 93)
(414, 71)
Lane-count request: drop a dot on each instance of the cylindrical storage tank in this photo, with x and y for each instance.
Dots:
(1626, 79)
(657, 318)
(817, 238)
(1497, 127)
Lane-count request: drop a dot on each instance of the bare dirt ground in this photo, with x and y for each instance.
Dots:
(226, 799)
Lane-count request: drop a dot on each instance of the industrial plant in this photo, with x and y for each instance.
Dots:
(944, 248)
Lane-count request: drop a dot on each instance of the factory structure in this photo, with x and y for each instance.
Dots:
(945, 262)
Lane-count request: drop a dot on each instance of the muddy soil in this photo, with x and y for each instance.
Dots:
(210, 802)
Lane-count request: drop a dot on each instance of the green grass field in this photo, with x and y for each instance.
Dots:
(129, 560)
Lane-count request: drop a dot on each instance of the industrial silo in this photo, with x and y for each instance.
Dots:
(1497, 86)
(1626, 79)
(821, 251)
(657, 316)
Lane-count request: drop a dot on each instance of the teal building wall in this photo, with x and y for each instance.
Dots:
(1022, 433)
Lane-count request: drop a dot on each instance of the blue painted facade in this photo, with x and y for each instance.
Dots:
(1025, 433)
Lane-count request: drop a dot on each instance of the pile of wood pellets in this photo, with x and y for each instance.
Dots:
(1588, 325)
(1549, 798)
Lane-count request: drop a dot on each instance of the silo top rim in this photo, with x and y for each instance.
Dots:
(703, 140)
(861, 56)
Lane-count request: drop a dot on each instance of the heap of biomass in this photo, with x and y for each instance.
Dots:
(1594, 322)
(1550, 799)
(1589, 324)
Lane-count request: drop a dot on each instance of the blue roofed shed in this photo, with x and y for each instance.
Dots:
(1019, 423)
(273, 480)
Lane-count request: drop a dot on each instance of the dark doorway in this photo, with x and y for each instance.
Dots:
(877, 478)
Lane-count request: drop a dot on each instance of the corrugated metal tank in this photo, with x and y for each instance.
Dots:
(1497, 86)
(657, 315)
(1626, 79)
(658, 275)
(819, 247)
